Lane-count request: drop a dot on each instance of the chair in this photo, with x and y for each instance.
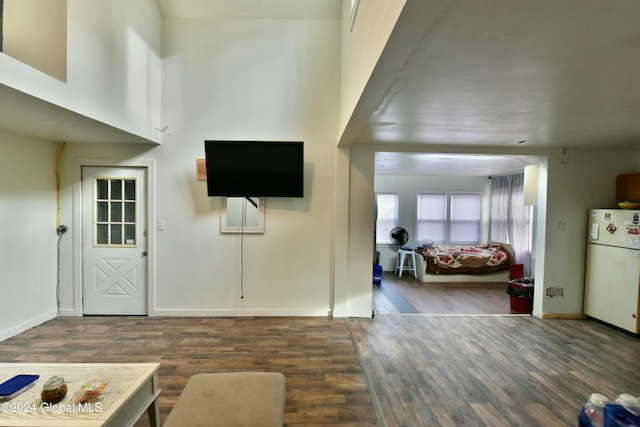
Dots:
(406, 261)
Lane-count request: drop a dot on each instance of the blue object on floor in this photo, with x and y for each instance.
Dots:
(377, 274)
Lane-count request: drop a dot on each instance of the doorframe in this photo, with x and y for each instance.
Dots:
(149, 165)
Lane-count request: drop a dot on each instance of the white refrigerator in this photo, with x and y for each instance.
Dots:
(612, 277)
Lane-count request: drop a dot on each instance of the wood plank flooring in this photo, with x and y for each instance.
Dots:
(431, 370)
(390, 370)
(408, 295)
(324, 381)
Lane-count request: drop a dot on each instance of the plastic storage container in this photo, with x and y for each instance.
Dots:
(377, 274)
(592, 414)
(599, 411)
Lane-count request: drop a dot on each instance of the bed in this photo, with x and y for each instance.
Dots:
(479, 263)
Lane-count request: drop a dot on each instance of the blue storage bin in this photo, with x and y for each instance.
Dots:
(377, 274)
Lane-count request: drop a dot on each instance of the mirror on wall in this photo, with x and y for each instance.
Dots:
(242, 215)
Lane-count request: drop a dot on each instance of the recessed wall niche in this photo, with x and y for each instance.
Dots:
(34, 32)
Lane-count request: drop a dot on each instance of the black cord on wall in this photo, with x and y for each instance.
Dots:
(244, 220)
(60, 230)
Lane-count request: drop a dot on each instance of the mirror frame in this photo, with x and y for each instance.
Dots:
(224, 218)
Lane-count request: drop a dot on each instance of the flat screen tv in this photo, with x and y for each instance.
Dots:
(255, 168)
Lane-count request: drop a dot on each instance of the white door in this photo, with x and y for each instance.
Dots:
(114, 243)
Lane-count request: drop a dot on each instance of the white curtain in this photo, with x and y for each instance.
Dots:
(510, 219)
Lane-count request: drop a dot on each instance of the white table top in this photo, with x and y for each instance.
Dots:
(124, 381)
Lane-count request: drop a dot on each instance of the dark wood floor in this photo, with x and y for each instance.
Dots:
(430, 370)
(390, 370)
(324, 381)
(408, 295)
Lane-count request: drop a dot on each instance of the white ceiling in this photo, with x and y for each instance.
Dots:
(395, 163)
(495, 72)
(487, 74)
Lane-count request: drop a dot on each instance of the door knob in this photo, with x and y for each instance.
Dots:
(144, 253)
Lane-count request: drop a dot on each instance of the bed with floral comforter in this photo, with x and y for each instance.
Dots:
(479, 259)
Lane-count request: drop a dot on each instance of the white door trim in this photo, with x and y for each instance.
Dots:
(149, 164)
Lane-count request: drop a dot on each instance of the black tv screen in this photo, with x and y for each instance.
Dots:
(255, 168)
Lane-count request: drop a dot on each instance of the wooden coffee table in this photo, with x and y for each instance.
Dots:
(132, 388)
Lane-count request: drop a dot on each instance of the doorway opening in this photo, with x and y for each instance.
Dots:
(402, 177)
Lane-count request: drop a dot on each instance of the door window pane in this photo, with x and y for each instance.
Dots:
(129, 234)
(102, 189)
(116, 212)
(116, 234)
(116, 189)
(129, 189)
(102, 234)
(129, 212)
(102, 211)
(115, 218)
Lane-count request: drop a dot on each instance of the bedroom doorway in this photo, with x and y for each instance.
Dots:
(405, 175)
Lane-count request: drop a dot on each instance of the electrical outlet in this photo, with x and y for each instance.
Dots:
(555, 292)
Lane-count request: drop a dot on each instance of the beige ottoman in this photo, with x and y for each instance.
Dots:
(230, 399)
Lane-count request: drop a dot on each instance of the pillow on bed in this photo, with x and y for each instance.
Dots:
(426, 243)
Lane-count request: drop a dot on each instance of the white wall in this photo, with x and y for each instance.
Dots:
(362, 43)
(361, 244)
(113, 76)
(408, 186)
(28, 235)
(581, 180)
(113, 66)
(35, 33)
(238, 79)
(246, 79)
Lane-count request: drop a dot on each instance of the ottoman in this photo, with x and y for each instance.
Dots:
(230, 399)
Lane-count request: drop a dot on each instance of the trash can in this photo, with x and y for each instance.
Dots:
(521, 295)
(377, 274)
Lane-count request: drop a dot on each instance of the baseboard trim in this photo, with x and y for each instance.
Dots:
(25, 326)
(67, 312)
(570, 316)
(169, 312)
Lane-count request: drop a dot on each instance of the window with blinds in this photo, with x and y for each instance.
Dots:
(451, 218)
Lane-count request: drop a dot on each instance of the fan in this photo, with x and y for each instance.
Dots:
(399, 236)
